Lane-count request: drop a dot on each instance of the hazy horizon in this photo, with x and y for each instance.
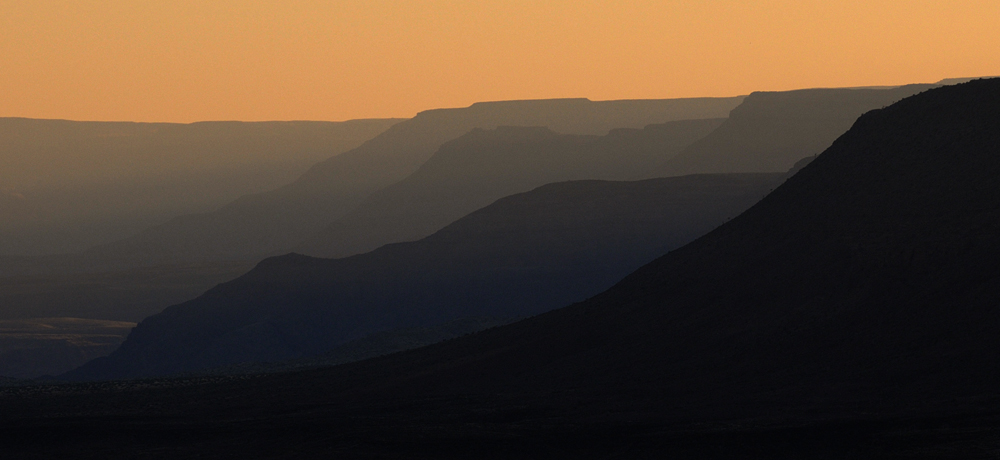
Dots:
(187, 61)
(428, 109)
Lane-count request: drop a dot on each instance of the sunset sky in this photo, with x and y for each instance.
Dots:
(190, 60)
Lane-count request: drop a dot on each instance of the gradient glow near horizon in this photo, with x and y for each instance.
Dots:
(186, 60)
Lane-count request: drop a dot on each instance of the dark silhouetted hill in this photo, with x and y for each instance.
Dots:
(68, 185)
(273, 222)
(770, 131)
(520, 256)
(485, 165)
(852, 313)
(956, 81)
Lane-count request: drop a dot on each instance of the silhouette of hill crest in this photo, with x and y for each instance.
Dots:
(522, 255)
(270, 223)
(482, 166)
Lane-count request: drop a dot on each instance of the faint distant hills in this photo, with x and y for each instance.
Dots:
(484, 165)
(767, 132)
(770, 131)
(194, 252)
(276, 221)
(68, 185)
(956, 81)
(323, 211)
(520, 256)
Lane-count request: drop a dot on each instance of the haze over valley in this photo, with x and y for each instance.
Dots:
(66, 186)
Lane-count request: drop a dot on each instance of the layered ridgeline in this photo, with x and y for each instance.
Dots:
(867, 283)
(485, 165)
(850, 313)
(67, 185)
(770, 131)
(276, 221)
(520, 256)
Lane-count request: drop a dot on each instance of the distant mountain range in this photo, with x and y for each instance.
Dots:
(68, 185)
(321, 212)
(770, 131)
(484, 165)
(523, 255)
(864, 286)
(276, 221)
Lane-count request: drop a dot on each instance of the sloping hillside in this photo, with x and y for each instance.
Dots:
(273, 222)
(770, 131)
(485, 165)
(523, 255)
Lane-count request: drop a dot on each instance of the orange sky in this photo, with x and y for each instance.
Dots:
(189, 60)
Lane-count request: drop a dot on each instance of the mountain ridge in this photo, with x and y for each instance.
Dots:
(482, 166)
(273, 222)
(519, 256)
(771, 130)
(776, 339)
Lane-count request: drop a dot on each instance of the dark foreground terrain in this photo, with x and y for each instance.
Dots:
(852, 313)
(244, 417)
